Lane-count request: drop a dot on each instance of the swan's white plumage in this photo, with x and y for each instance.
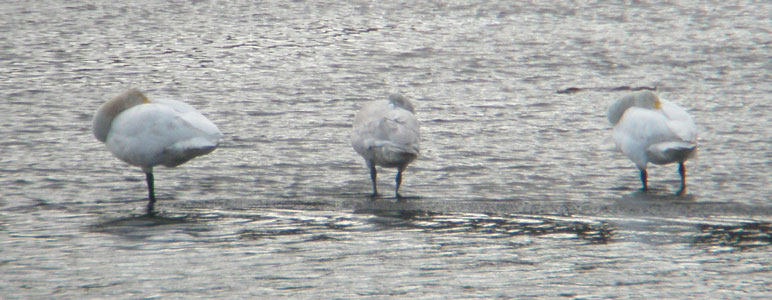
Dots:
(163, 132)
(651, 130)
(148, 133)
(386, 133)
(383, 131)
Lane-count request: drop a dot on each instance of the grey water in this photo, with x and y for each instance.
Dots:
(518, 193)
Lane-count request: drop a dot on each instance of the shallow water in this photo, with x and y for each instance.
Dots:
(518, 192)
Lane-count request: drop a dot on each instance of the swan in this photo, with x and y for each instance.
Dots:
(148, 133)
(648, 129)
(385, 133)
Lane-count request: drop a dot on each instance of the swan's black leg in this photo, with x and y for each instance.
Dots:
(644, 178)
(151, 192)
(373, 176)
(399, 182)
(682, 171)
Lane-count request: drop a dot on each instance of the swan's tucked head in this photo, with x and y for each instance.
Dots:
(647, 99)
(111, 109)
(400, 101)
(643, 99)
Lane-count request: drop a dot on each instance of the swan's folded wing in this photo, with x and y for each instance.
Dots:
(400, 130)
(680, 122)
(686, 131)
(193, 118)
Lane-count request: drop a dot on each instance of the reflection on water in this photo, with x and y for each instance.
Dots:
(139, 227)
(718, 235)
(494, 226)
(741, 236)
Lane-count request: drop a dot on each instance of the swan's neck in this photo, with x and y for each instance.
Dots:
(619, 107)
(401, 102)
(111, 109)
(644, 99)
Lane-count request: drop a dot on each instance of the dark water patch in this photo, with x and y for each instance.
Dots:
(483, 263)
(490, 225)
(282, 278)
(570, 90)
(665, 206)
(143, 220)
(491, 106)
(573, 90)
(32, 93)
(512, 225)
(296, 287)
(265, 113)
(141, 226)
(39, 205)
(461, 120)
(253, 234)
(100, 285)
(462, 168)
(729, 237)
(322, 237)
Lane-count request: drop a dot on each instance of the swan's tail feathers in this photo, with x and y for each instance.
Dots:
(394, 155)
(182, 152)
(670, 152)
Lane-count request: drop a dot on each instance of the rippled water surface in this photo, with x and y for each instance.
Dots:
(518, 192)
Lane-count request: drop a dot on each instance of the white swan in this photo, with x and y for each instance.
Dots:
(651, 130)
(148, 133)
(386, 134)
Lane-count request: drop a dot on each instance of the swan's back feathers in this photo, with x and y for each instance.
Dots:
(386, 132)
(399, 128)
(196, 135)
(193, 118)
(680, 122)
